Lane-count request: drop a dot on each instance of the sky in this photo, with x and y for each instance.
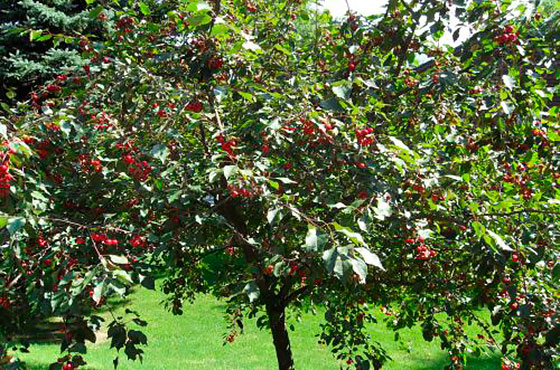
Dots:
(365, 7)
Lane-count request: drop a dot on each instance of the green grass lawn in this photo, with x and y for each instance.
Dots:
(194, 341)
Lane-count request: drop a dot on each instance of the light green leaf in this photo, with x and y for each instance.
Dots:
(273, 215)
(15, 223)
(119, 260)
(499, 241)
(200, 19)
(383, 209)
(355, 237)
(399, 144)
(506, 107)
(230, 170)
(144, 8)
(342, 89)
(508, 81)
(3, 221)
(360, 268)
(370, 258)
(315, 239)
(122, 276)
(286, 180)
(252, 291)
(161, 152)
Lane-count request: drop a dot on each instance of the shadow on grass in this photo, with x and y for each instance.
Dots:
(49, 330)
(484, 362)
(473, 363)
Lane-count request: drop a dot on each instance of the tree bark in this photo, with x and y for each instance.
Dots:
(277, 319)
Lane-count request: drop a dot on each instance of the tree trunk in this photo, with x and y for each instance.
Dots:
(277, 319)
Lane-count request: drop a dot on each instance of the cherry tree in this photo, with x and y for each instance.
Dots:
(286, 162)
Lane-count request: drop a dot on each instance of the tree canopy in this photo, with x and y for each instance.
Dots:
(280, 160)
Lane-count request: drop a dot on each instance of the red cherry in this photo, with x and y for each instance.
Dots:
(128, 159)
(195, 106)
(363, 194)
(351, 66)
(111, 242)
(362, 165)
(515, 257)
(137, 241)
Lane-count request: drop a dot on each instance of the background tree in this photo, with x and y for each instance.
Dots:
(284, 171)
(33, 46)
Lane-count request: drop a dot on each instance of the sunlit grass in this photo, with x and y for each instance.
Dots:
(195, 341)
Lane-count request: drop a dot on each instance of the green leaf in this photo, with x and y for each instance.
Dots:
(479, 229)
(273, 215)
(508, 81)
(34, 35)
(122, 276)
(286, 180)
(369, 257)
(506, 107)
(229, 170)
(360, 268)
(355, 237)
(220, 29)
(200, 19)
(119, 260)
(15, 223)
(161, 152)
(499, 241)
(147, 282)
(3, 221)
(246, 96)
(383, 209)
(315, 239)
(98, 291)
(252, 291)
(333, 261)
(342, 89)
(144, 8)
(399, 144)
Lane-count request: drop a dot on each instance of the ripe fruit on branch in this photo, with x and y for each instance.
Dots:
(137, 241)
(195, 106)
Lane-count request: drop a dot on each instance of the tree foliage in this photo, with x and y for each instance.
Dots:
(266, 154)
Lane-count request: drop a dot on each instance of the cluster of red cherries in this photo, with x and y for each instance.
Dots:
(508, 37)
(5, 302)
(5, 178)
(88, 163)
(423, 252)
(136, 241)
(227, 145)
(365, 136)
(140, 170)
(238, 192)
(101, 122)
(125, 24)
(195, 106)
